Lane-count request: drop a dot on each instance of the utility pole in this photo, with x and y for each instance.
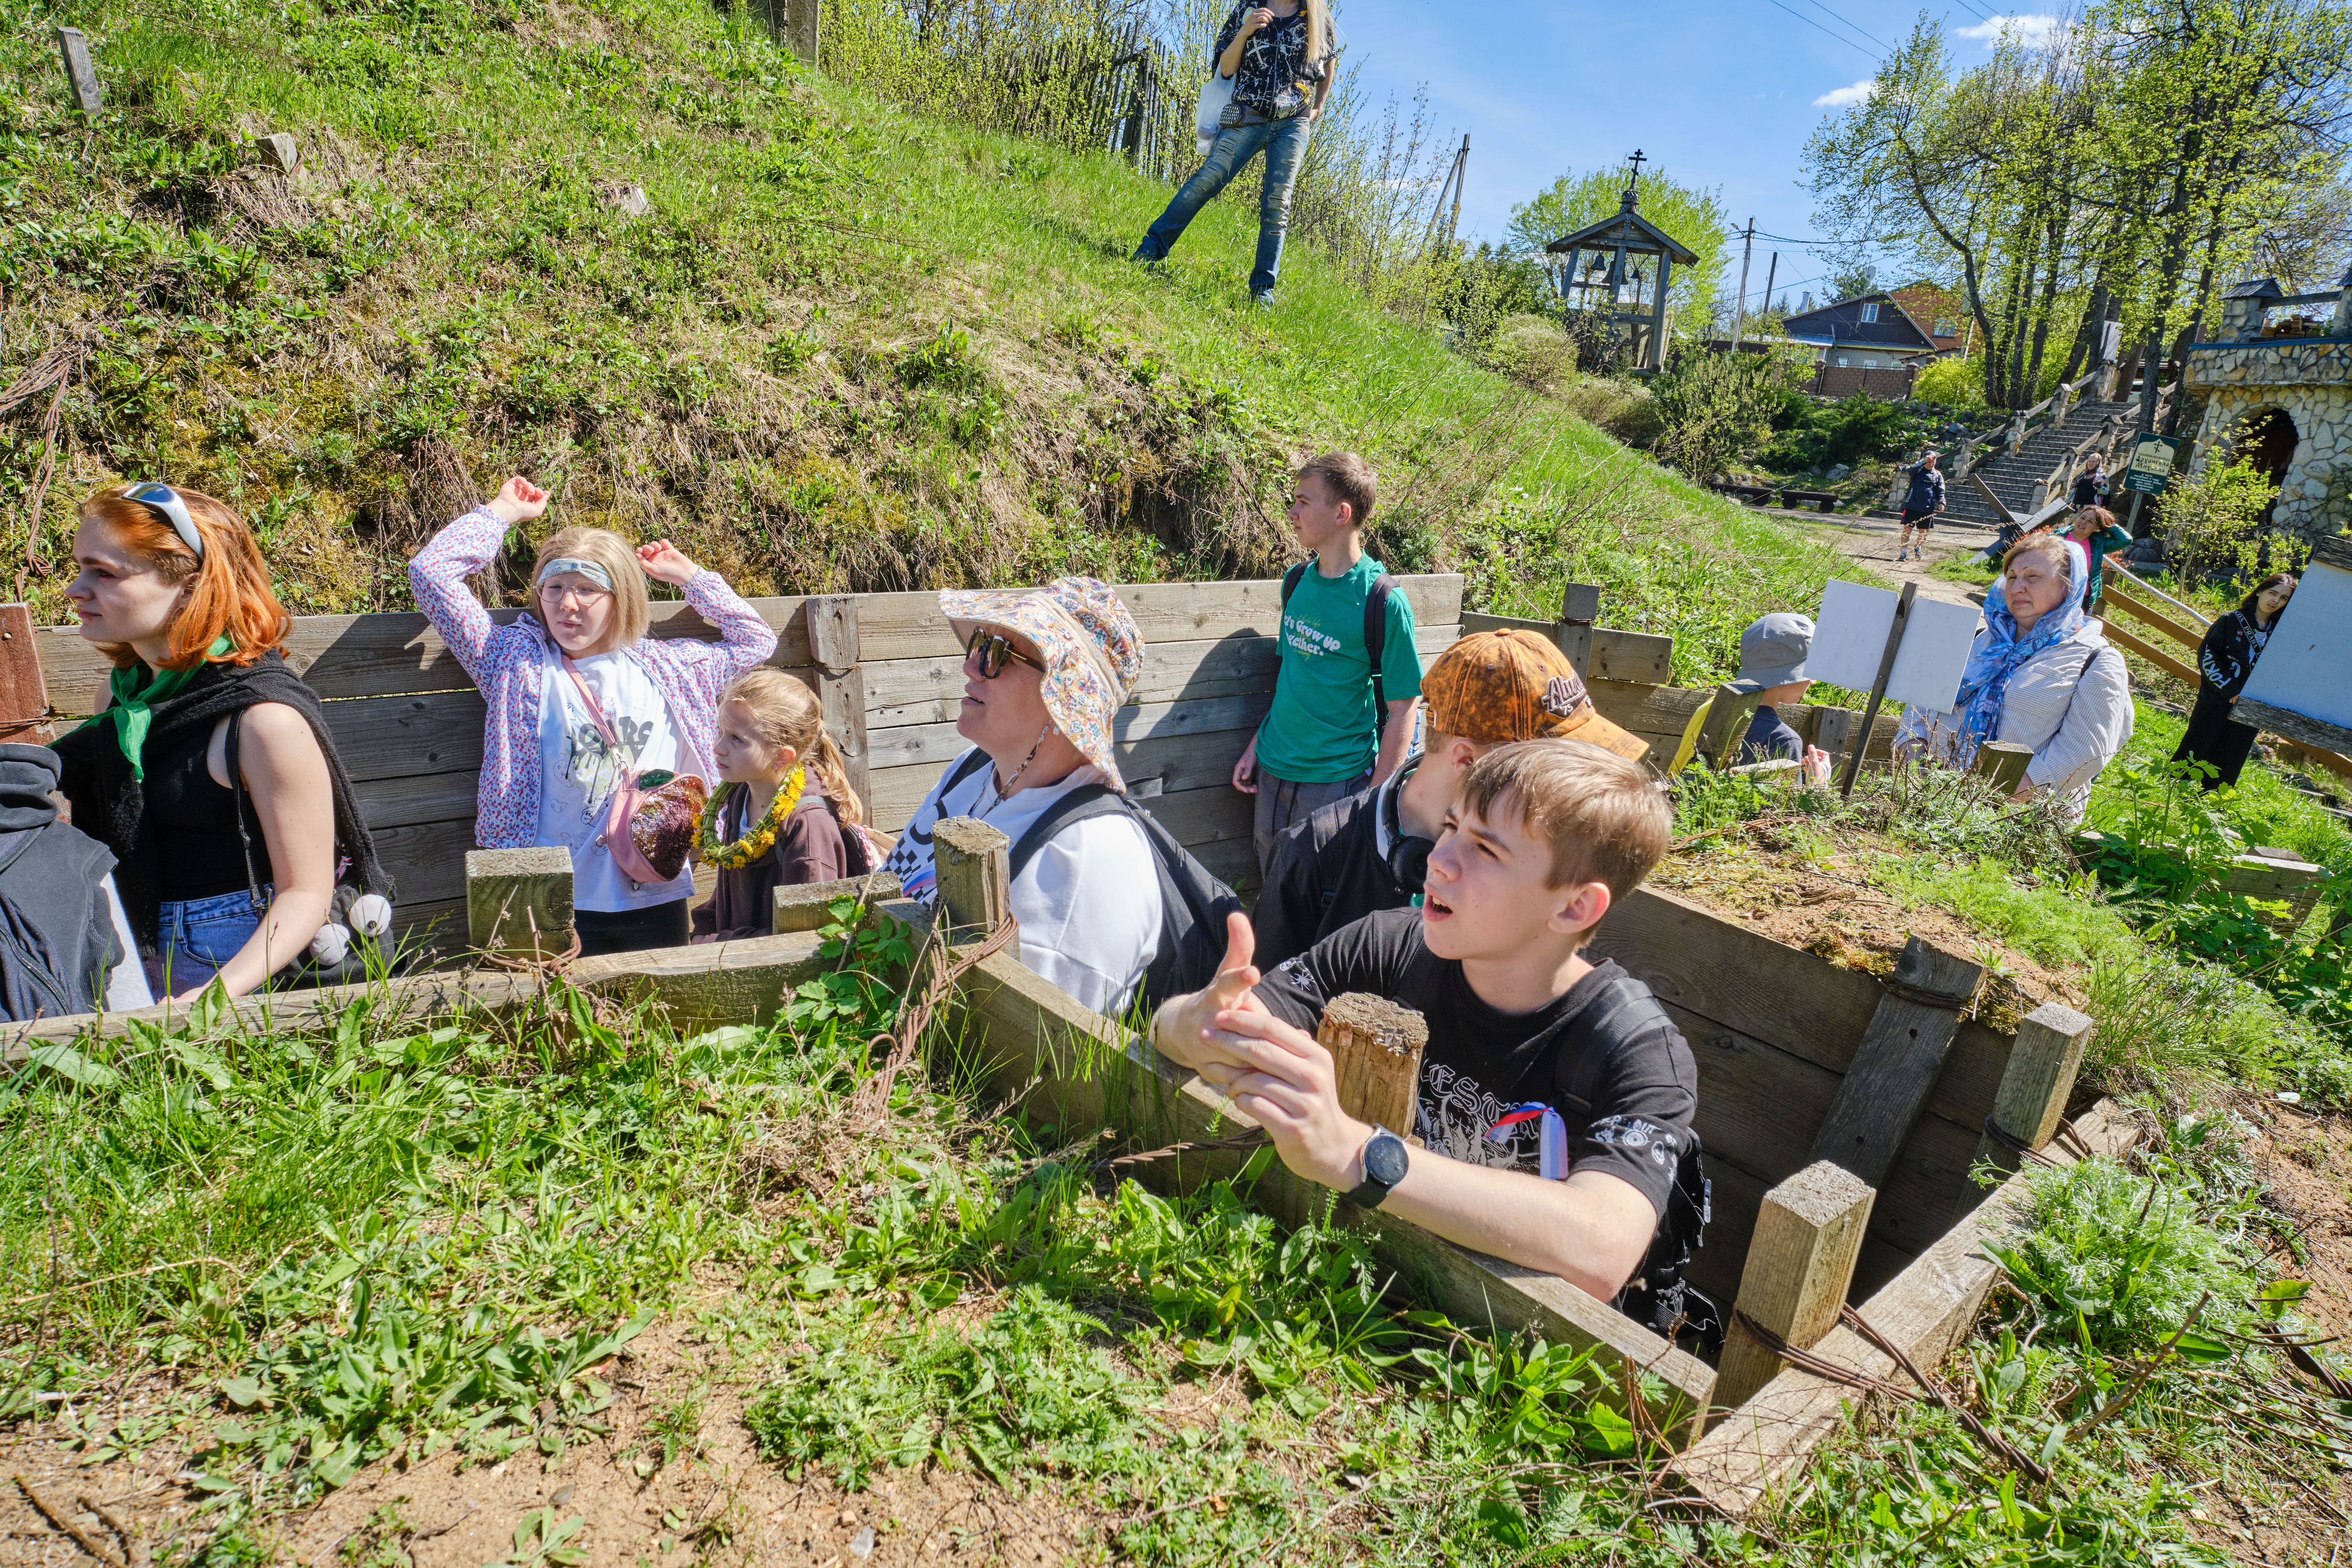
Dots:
(1771, 273)
(1740, 310)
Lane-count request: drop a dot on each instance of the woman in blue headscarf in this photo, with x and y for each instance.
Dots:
(2039, 675)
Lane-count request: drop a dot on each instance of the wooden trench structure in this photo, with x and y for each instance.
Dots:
(1843, 1116)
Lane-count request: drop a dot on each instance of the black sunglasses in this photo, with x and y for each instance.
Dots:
(994, 651)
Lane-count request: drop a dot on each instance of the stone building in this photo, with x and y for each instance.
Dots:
(2283, 365)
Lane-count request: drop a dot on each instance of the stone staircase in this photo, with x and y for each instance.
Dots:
(2014, 476)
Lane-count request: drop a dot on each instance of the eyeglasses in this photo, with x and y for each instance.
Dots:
(994, 651)
(164, 500)
(557, 592)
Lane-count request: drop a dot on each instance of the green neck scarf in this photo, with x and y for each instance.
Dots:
(134, 708)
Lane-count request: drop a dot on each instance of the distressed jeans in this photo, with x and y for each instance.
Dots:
(1283, 142)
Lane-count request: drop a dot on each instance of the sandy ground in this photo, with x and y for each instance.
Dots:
(1872, 541)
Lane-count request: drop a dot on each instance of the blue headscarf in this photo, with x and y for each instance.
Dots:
(1997, 655)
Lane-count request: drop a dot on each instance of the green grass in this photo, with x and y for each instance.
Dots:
(848, 349)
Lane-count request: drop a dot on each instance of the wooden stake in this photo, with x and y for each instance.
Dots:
(2003, 763)
(840, 684)
(519, 901)
(1375, 1049)
(975, 872)
(2040, 1078)
(24, 691)
(1726, 723)
(80, 80)
(1800, 1265)
(1579, 607)
(808, 906)
(1878, 687)
(1898, 1060)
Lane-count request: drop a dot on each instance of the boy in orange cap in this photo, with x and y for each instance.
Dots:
(1366, 852)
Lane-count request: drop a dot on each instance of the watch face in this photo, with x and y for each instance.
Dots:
(1385, 1159)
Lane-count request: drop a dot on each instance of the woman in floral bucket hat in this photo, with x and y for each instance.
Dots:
(1043, 672)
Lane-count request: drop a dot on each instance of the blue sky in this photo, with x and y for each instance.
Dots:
(1718, 92)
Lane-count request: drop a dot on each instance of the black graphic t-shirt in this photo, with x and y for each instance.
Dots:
(1274, 74)
(1481, 1063)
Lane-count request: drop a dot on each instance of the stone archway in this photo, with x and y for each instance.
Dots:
(2267, 441)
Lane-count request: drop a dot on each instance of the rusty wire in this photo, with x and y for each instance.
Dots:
(905, 1032)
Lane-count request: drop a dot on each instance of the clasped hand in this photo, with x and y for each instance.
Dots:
(1277, 1075)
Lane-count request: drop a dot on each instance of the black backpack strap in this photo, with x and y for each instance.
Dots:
(1290, 581)
(1085, 801)
(974, 760)
(1376, 643)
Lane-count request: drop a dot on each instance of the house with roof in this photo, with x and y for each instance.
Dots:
(1870, 332)
(1939, 309)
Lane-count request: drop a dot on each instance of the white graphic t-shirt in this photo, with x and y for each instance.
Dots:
(578, 771)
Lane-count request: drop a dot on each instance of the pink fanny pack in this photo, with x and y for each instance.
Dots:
(648, 827)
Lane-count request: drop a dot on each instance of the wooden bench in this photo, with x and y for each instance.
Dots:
(1754, 495)
(1821, 501)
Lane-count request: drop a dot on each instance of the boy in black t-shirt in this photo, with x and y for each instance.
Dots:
(1544, 836)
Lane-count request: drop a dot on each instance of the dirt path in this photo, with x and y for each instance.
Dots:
(1871, 541)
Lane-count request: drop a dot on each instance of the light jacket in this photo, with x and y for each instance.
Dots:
(510, 664)
(2071, 703)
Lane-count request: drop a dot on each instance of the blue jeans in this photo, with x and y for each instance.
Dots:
(1283, 142)
(195, 937)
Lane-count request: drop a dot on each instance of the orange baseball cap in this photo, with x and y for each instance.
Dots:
(1495, 687)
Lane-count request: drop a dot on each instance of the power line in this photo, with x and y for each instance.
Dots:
(1841, 37)
(1866, 32)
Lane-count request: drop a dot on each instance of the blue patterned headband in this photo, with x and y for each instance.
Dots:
(588, 569)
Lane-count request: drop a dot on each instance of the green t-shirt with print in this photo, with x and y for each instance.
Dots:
(1321, 727)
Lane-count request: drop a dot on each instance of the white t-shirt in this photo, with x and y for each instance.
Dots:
(578, 771)
(1089, 901)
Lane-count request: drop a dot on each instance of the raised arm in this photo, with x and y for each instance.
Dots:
(438, 573)
(744, 639)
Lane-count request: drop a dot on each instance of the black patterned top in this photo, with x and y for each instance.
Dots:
(1275, 76)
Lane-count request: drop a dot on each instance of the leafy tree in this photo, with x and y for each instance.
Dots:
(1954, 382)
(1694, 216)
(2214, 520)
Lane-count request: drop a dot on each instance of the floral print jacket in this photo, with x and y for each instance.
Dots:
(510, 662)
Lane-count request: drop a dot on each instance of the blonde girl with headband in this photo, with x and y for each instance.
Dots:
(782, 813)
(581, 700)
(208, 772)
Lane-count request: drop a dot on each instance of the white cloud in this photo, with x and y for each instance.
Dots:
(2035, 29)
(1847, 97)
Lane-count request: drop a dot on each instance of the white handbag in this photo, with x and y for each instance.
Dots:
(1216, 93)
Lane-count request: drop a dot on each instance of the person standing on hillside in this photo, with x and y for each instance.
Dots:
(1921, 502)
(2226, 661)
(2097, 534)
(2091, 484)
(1351, 675)
(1278, 56)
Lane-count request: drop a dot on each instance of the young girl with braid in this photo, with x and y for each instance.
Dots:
(784, 814)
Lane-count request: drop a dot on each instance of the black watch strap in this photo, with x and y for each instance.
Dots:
(1383, 1151)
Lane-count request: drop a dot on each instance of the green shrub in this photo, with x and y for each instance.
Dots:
(1954, 382)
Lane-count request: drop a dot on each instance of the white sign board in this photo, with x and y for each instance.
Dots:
(1850, 639)
(2303, 668)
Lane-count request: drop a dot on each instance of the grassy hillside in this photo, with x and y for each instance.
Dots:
(844, 350)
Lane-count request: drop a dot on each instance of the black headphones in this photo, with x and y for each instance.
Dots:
(1408, 855)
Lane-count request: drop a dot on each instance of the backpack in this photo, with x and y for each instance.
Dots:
(1376, 635)
(58, 943)
(1193, 903)
(1658, 1297)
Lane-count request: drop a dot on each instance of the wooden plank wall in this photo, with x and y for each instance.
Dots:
(1774, 1030)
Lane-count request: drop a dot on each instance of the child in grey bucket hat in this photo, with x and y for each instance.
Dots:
(1772, 654)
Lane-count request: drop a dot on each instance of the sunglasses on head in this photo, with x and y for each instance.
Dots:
(995, 651)
(164, 502)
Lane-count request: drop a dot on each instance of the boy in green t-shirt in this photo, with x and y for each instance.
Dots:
(1324, 736)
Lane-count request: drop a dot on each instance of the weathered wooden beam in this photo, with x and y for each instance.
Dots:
(2042, 1066)
(2163, 659)
(975, 876)
(519, 902)
(1727, 718)
(1800, 1265)
(2002, 764)
(1375, 1049)
(1924, 1311)
(840, 684)
(1899, 1059)
(81, 80)
(1580, 607)
(805, 905)
(1081, 1071)
(2319, 733)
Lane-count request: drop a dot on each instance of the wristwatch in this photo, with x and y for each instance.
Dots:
(1386, 1158)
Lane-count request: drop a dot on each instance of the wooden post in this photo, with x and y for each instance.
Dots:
(1800, 1265)
(2040, 1078)
(1580, 607)
(794, 24)
(840, 684)
(1833, 727)
(519, 901)
(1726, 724)
(808, 906)
(81, 80)
(1878, 687)
(2003, 763)
(975, 872)
(1375, 1049)
(23, 690)
(1898, 1059)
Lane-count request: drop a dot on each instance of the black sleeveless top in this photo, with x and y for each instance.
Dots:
(196, 819)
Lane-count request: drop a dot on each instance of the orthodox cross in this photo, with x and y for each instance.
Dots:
(1637, 160)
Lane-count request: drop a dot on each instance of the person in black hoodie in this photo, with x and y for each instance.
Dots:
(2225, 660)
(65, 944)
(220, 875)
